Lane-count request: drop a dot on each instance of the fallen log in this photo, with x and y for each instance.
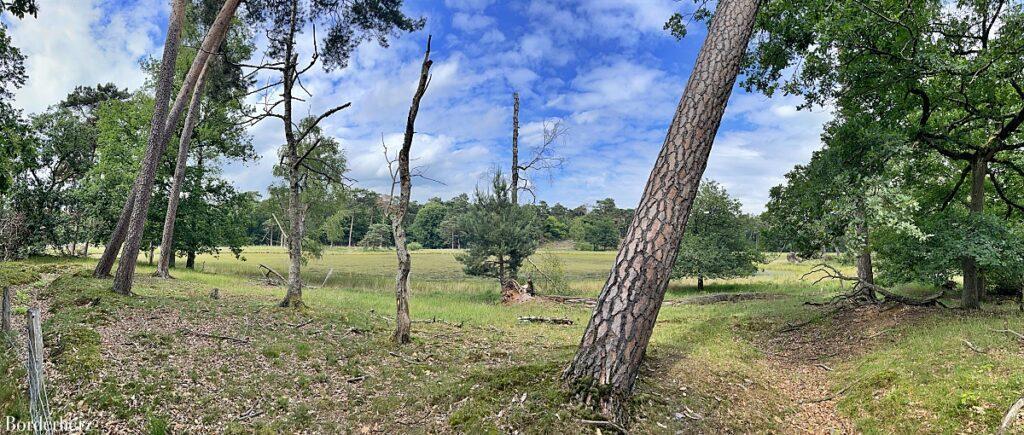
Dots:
(553, 320)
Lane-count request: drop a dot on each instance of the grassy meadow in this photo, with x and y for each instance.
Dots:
(174, 360)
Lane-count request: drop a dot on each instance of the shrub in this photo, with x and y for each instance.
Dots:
(584, 246)
(414, 246)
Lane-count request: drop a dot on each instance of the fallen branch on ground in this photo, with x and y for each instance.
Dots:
(1007, 330)
(972, 346)
(269, 272)
(219, 337)
(442, 321)
(605, 424)
(299, 325)
(554, 320)
(1011, 416)
(833, 396)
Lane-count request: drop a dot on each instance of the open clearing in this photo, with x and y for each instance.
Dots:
(174, 360)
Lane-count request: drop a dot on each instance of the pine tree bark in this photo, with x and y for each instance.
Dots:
(403, 323)
(159, 136)
(173, 198)
(606, 365)
(164, 86)
(974, 281)
(515, 148)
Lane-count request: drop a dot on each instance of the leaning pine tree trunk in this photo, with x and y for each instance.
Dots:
(403, 323)
(166, 241)
(158, 143)
(605, 368)
(164, 85)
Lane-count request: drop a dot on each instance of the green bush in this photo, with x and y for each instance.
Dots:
(414, 246)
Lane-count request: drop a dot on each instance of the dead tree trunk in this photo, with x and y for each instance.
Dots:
(974, 281)
(173, 198)
(515, 148)
(607, 362)
(403, 323)
(160, 133)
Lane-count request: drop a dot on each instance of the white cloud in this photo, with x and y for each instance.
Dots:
(471, 22)
(82, 43)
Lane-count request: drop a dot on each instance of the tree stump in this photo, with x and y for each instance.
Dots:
(513, 293)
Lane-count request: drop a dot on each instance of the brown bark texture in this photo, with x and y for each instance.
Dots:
(164, 86)
(173, 198)
(606, 365)
(159, 136)
(974, 281)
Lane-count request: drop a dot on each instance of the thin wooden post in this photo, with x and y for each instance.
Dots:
(5, 311)
(39, 405)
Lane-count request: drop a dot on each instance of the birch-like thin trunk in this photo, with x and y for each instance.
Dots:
(173, 198)
(403, 323)
(159, 136)
(607, 363)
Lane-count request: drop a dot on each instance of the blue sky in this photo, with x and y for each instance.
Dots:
(604, 67)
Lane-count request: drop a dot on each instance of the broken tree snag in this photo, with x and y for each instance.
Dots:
(513, 293)
(792, 257)
(863, 291)
(397, 211)
(279, 280)
(552, 320)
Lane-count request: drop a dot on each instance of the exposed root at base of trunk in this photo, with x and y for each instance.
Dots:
(292, 302)
(602, 398)
(164, 275)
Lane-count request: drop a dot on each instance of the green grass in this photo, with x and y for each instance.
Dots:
(479, 370)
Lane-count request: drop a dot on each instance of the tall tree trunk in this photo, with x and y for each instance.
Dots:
(607, 362)
(865, 271)
(173, 198)
(974, 282)
(351, 226)
(161, 131)
(403, 324)
(295, 210)
(190, 260)
(700, 283)
(515, 148)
